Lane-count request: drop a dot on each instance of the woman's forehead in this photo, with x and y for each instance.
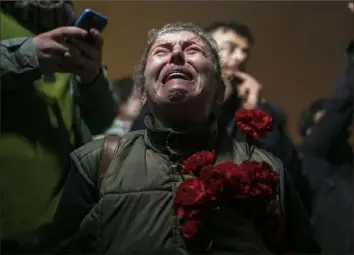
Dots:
(178, 37)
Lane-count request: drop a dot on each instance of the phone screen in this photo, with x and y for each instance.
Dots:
(89, 19)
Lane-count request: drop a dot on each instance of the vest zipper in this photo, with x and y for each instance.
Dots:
(176, 177)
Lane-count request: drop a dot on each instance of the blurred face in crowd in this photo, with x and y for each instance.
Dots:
(233, 49)
(317, 117)
(233, 52)
(351, 6)
(180, 77)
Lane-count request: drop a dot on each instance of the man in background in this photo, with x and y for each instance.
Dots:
(235, 43)
(54, 95)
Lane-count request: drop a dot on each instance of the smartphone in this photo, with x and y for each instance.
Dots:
(91, 19)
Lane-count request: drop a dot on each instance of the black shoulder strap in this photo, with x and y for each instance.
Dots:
(110, 148)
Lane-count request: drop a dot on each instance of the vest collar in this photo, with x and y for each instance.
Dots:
(180, 144)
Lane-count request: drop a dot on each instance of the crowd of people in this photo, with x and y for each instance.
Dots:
(93, 166)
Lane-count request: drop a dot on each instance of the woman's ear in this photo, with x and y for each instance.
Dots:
(219, 97)
(142, 93)
(220, 92)
(143, 98)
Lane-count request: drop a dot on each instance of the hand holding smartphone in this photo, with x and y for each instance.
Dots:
(90, 19)
(89, 54)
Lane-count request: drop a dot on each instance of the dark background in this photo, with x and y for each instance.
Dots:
(299, 50)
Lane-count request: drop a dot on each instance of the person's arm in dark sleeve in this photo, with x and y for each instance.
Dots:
(276, 141)
(274, 137)
(337, 117)
(19, 64)
(97, 104)
(78, 197)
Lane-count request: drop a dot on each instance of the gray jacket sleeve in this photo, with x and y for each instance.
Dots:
(97, 105)
(19, 65)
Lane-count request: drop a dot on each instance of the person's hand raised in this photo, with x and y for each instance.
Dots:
(66, 50)
(131, 108)
(249, 90)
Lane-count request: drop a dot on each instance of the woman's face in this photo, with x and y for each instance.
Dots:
(179, 72)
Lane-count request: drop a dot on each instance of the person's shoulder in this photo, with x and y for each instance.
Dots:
(274, 110)
(94, 147)
(133, 135)
(89, 148)
(258, 154)
(87, 157)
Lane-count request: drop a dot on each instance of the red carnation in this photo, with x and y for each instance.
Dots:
(235, 176)
(261, 190)
(190, 192)
(239, 178)
(190, 228)
(254, 123)
(250, 165)
(195, 162)
(266, 181)
(262, 179)
(213, 178)
(249, 179)
(187, 212)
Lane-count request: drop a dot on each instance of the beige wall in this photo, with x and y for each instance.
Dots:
(299, 45)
